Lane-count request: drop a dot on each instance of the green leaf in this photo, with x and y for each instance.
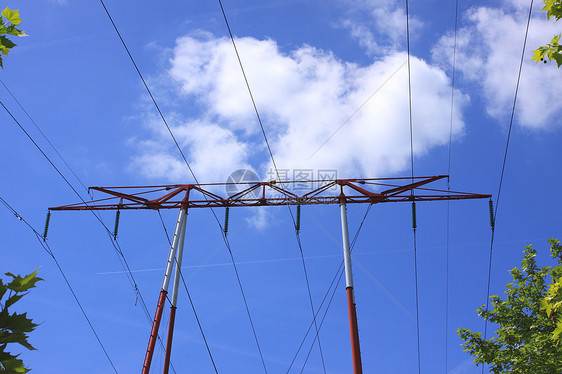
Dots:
(16, 322)
(6, 42)
(558, 58)
(14, 299)
(3, 289)
(14, 366)
(538, 55)
(557, 331)
(13, 31)
(19, 337)
(522, 342)
(12, 15)
(19, 284)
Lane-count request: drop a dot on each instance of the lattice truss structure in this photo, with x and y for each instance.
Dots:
(272, 193)
(254, 194)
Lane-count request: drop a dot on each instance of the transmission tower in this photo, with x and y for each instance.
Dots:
(254, 194)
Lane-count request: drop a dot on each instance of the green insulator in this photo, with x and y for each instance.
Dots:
(116, 228)
(226, 217)
(47, 225)
(414, 221)
(298, 225)
(492, 220)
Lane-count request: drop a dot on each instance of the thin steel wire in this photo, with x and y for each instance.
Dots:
(50, 252)
(339, 273)
(260, 122)
(189, 297)
(503, 168)
(114, 242)
(311, 304)
(188, 166)
(43, 134)
(449, 189)
(412, 164)
(146, 87)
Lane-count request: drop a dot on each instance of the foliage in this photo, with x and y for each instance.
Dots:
(8, 22)
(552, 51)
(552, 303)
(14, 327)
(523, 342)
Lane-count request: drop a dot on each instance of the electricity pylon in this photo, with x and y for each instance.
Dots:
(252, 194)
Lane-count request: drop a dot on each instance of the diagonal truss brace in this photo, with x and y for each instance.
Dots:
(272, 193)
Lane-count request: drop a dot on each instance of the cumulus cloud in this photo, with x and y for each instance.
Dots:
(489, 53)
(318, 111)
(210, 150)
(379, 26)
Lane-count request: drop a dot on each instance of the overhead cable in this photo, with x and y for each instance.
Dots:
(50, 252)
(186, 162)
(449, 189)
(114, 242)
(412, 164)
(190, 299)
(503, 168)
(43, 134)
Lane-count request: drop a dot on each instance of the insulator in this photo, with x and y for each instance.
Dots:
(226, 217)
(298, 225)
(414, 221)
(492, 220)
(47, 225)
(116, 228)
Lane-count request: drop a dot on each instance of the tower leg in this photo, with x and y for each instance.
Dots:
(354, 331)
(174, 301)
(169, 341)
(179, 229)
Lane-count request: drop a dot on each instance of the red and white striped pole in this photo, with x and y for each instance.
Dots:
(174, 302)
(179, 232)
(355, 351)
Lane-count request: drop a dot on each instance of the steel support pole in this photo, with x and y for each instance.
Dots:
(354, 331)
(180, 226)
(174, 301)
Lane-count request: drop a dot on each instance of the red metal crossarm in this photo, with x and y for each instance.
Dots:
(271, 193)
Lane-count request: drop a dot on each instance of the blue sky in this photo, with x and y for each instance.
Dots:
(313, 66)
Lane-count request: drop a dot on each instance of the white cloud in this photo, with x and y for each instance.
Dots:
(303, 98)
(489, 53)
(212, 154)
(379, 26)
(261, 218)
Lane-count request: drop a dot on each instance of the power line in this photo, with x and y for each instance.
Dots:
(311, 303)
(348, 119)
(43, 134)
(249, 89)
(448, 189)
(412, 164)
(49, 251)
(201, 106)
(113, 240)
(147, 88)
(245, 301)
(189, 297)
(503, 168)
(188, 166)
(340, 273)
(276, 172)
